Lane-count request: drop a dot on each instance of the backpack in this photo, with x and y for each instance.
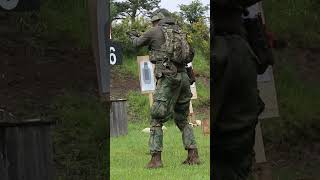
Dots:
(176, 46)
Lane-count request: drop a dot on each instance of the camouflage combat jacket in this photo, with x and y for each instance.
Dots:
(154, 39)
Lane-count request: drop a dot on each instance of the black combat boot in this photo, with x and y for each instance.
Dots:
(155, 161)
(193, 157)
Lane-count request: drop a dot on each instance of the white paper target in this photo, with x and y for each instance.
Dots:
(193, 86)
(9, 4)
(146, 73)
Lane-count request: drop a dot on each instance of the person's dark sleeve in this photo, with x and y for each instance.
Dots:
(144, 39)
(230, 3)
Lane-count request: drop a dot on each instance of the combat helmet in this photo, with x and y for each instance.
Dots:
(159, 14)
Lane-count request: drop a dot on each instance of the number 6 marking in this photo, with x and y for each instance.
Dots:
(113, 57)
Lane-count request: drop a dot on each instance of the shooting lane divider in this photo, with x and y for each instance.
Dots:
(99, 11)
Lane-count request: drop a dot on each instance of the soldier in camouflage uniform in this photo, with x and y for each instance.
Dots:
(236, 99)
(172, 95)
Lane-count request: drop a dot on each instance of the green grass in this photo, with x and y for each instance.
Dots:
(293, 172)
(139, 107)
(129, 156)
(129, 66)
(299, 103)
(80, 136)
(298, 125)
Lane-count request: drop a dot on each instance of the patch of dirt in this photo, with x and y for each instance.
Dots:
(304, 158)
(120, 85)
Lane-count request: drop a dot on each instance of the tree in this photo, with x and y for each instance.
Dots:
(132, 8)
(194, 11)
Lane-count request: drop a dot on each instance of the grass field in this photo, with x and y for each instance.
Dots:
(129, 155)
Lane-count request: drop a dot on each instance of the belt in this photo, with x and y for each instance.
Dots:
(181, 69)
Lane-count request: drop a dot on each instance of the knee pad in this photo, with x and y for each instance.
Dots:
(160, 110)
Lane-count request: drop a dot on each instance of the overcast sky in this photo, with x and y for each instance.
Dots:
(173, 5)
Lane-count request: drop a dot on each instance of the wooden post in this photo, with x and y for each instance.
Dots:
(260, 154)
(150, 99)
(26, 150)
(205, 124)
(99, 23)
(263, 168)
(192, 117)
(118, 118)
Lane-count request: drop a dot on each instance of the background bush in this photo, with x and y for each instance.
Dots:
(294, 20)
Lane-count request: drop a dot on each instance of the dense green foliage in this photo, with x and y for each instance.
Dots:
(198, 35)
(132, 8)
(296, 21)
(193, 12)
(197, 29)
(120, 29)
(200, 38)
(139, 107)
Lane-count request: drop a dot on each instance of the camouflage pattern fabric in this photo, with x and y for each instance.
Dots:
(171, 100)
(172, 95)
(177, 47)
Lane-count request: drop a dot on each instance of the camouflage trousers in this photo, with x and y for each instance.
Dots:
(171, 100)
